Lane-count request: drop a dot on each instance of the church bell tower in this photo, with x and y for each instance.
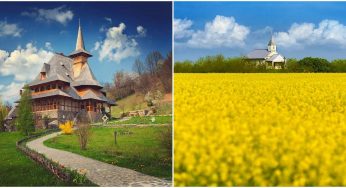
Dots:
(80, 55)
(271, 45)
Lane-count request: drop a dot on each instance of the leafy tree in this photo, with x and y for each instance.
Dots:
(310, 64)
(220, 64)
(338, 65)
(217, 64)
(183, 67)
(3, 114)
(25, 120)
(292, 65)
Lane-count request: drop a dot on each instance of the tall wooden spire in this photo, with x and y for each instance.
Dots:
(80, 41)
(80, 55)
(80, 48)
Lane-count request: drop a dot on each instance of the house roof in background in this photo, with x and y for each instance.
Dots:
(258, 54)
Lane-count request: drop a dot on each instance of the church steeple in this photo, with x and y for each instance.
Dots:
(271, 45)
(80, 55)
(80, 48)
(80, 41)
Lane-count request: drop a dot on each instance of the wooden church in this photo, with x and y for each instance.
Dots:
(268, 57)
(66, 85)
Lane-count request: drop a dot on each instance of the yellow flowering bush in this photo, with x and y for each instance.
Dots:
(67, 127)
(260, 129)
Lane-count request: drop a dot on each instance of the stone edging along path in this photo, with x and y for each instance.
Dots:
(98, 172)
(135, 125)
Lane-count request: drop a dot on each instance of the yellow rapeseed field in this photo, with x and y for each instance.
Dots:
(260, 129)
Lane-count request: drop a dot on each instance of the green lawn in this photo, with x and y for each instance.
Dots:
(137, 148)
(145, 120)
(16, 169)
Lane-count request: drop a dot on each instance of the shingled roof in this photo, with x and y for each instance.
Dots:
(91, 95)
(12, 113)
(276, 58)
(54, 92)
(258, 54)
(86, 77)
(45, 67)
(60, 68)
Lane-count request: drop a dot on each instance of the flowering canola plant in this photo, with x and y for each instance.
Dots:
(260, 129)
(67, 127)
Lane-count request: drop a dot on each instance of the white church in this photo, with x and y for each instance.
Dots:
(269, 57)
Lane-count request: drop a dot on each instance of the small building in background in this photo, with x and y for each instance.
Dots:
(268, 57)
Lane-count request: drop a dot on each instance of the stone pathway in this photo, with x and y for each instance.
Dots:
(98, 172)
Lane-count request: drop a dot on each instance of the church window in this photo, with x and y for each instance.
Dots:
(43, 75)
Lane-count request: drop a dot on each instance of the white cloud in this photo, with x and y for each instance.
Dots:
(117, 45)
(326, 32)
(7, 29)
(97, 45)
(59, 14)
(141, 31)
(221, 32)
(182, 28)
(10, 92)
(3, 55)
(23, 63)
(264, 31)
(48, 45)
(108, 19)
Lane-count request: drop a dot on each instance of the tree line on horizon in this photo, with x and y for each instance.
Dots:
(220, 64)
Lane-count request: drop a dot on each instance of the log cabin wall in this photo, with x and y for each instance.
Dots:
(63, 108)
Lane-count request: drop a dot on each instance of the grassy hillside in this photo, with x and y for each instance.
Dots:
(136, 102)
(132, 102)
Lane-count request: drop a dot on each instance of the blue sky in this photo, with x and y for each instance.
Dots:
(300, 29)
(31, 31)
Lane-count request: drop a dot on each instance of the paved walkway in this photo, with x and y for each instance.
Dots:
(100, 173)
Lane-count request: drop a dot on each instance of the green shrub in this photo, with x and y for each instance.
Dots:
(25, 120)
